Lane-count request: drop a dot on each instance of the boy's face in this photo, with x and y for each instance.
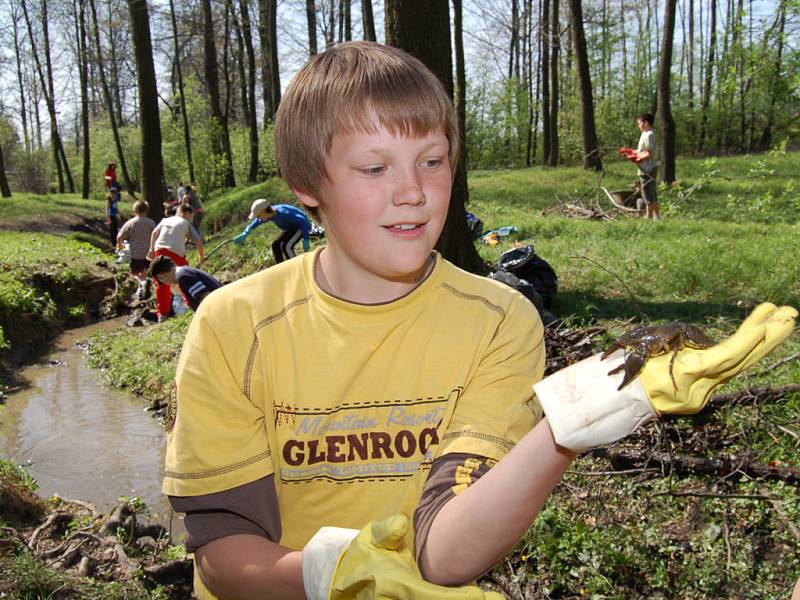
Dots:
(168, 277)
(642, 124)
(383, 205)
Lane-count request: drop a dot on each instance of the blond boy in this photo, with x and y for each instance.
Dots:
(370, 385)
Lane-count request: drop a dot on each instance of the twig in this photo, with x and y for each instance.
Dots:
(618, 278)
(775, 365)
(609, 473)
(715, 495)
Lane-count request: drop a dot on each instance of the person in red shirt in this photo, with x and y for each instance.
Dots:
(110, 174)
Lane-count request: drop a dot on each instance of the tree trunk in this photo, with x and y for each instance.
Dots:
(62, 166)
(690, 71)
(129, 185)
(766, 136)
(187, 138)
(311, 19)
(251, 85)
(329, 37)
(5, 190)
(221, 142)
(591, 157)
(709, 67)
(544, 68)
(116, 88)
(554, 83)
(270, 77)
(368, 20)
(535, 99)
(20, 79)
(341, 21)
(461, 81)
(348, 23)
(424, 31)
(83, 62)
(152, 175)
(240, 62)
(664, 109)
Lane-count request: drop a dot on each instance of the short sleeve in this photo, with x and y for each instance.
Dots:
(217, 437)
(498, 405)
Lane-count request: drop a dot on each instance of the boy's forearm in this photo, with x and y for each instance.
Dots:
(483, 523)
(240, 567)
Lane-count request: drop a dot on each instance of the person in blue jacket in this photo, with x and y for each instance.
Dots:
(293, 221)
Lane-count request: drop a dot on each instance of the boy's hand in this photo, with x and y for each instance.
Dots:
(585, 408)
(377, 563)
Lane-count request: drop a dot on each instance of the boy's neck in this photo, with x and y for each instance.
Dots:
(376, 290)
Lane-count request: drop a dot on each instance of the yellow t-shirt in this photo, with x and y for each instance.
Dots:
(347, 404)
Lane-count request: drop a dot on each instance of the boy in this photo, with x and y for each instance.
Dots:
(194, 284)
(645, 157)
(290, 219)
(112, 214)
(110, 175)
(138, 231)
(169, 239)
(372, 385)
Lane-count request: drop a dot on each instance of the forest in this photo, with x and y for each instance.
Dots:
(187, 91)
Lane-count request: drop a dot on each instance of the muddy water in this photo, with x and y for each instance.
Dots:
(81, 440)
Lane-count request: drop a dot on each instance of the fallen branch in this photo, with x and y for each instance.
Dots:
(782, 361)
(753, 394)
(726, 466)
(715, 495)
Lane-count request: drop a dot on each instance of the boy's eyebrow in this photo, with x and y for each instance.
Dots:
(382, 150)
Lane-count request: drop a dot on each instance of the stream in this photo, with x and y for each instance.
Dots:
(82, 440)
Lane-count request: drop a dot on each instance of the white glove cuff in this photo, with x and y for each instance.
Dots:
(320, 557)
(584, 407)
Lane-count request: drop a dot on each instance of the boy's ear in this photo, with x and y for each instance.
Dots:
(306, 199)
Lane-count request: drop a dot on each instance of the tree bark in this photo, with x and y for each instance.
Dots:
(766, 136)
(187, 138)
(348, 24)
(544, 68)
(5, 190)
(20, 79)
(368, 20)
(129, 184)
(311, 19)
(221, 142)
(554, 83)
(424, 32)
(270, 76)
(709, 67)
(251, 86)
(240, 63)
(591, 157)
(152, 175)
(664, 108)
(83, 62)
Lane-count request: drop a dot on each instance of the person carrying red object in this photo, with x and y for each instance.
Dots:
(169, 239)
(110, 174)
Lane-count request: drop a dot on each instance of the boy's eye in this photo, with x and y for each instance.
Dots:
(372, 171)
(432, 163)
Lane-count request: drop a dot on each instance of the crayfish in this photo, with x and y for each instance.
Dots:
(642, 343)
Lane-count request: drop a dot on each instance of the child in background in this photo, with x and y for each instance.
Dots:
(293, 221)
(194, 284)
(110, 175)
(169, 239)
(361, 422)
(112, 213)
(137, 232)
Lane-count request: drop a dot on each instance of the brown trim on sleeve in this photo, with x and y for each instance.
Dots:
(450, 475)
(250, 508)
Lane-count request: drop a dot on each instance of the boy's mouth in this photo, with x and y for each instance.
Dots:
(404, 226)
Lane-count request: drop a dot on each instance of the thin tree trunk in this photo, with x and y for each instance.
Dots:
(536, 100)
(348, 24)
(554, 83)
(591, 157)
(624, 40)
(340, 19)
(251, 85)
(152, 175)
(331, 24)
(766, 136)
(226, 75)
(271, 82)
(311, 19)
(709, 67)
(129, 185)
(237, 29)
(5, 190)
(20, 79)
(690, 71)
(664, 109)
(55, 138)
(36, 114)
(461, 80)
(221, 142)
(425, 33)
(187, 138)
(83, 62)
(368, 20)
(544, 67)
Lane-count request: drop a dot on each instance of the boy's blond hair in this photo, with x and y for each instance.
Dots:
(354, 87)
(140, 207)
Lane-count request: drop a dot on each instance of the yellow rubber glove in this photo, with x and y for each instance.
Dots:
(378, 565)
(698, 371)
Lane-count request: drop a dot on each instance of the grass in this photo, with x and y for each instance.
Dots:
(727, 242)
(43, 207)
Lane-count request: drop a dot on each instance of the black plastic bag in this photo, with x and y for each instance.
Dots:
(524, 263)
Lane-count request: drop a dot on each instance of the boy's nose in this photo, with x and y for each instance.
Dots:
(408, 190)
